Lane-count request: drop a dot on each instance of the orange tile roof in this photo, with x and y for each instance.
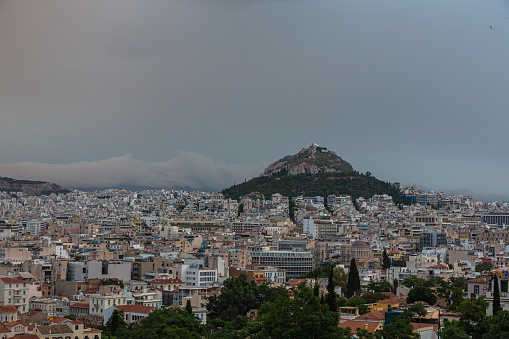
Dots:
(135, 308)
(8, 309)
(371, 326)
(80, 305)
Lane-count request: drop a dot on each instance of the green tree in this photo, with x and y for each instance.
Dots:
(473, 316)
(237, 297)
(340, 278)
(452, 330)
(165, 322)
(400, 329)
(483, 267)
(412, 281)
(359, 302)
(496, 297)
(497, 326)
(300, 317)
(330, 298)
(386, 261)
(316, 290)
(379, 286)
(189, 308)
(395, 284)
(416, 310)
(116, 322)
(423, 293)
(354, 282)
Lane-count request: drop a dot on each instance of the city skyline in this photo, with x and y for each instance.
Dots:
(210, 93)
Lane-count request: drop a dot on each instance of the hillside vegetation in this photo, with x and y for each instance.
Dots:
(354, 183)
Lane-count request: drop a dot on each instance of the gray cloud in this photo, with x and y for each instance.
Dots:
(413, 91)
(187, 170)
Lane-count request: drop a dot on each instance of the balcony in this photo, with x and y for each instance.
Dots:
(503, 295)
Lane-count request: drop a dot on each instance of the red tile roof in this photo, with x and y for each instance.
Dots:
(59, 320)
(12, 281)
(135, 308)
(371, 326)
(80, 305)
(8, 309)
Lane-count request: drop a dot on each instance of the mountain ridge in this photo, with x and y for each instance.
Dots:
(30, 187)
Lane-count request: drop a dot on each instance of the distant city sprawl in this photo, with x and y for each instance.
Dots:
(73, 262)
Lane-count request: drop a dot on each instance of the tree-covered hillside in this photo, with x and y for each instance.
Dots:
(354, 183)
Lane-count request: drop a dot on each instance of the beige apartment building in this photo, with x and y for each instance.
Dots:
(100, 302)
(15, 292)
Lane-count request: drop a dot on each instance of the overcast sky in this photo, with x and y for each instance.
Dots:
(202, 93)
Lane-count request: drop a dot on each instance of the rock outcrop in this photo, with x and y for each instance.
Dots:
(313, 160)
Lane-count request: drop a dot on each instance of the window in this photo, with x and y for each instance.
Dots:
(476, 289)
(503, 286)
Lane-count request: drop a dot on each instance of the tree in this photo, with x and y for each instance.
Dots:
(237, 297)
(395, 284)
(116, 322)
(400, 329)
(423, 293)
(386, 261)
(316, 290)
(473, 316)
(483, 267)
(330, 298)
(300, 317)
(340, 278)
(164, 322)
(496, 297)
(416, 310)
(452, 330)
(358, 302)
(379, 286)
(412, 280)
(189, 308)
(354, 282)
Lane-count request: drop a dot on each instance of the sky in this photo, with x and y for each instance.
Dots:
(205, 93)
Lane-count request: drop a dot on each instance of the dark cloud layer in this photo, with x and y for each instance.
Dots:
(413, 91)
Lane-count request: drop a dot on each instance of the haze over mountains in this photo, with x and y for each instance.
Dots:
(190, 171)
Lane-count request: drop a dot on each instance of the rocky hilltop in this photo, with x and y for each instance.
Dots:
(30, 187)
(314, 171)
(313, 160)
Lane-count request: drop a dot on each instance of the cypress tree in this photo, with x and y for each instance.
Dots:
(386, 261)
(496, 297)
(330, 299)
(316, 290)
(189, 308)
(395, 286)
(354, 282)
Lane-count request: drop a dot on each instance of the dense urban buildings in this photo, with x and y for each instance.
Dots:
(87, 254)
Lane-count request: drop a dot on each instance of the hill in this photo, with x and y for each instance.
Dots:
(30, 187)
(313, 160)
(311, 172)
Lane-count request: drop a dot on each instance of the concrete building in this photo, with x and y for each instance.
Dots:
(14, 292)
(80, 271)
(294, 263)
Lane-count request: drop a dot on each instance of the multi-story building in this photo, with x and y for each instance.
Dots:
(295, 263)
(79, 271)
(15, 292)
(100, 302)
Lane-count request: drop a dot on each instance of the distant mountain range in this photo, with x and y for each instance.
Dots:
(30, 187)
(314, 171)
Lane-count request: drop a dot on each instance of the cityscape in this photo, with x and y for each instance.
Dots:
(72, 261)
(253, 169)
